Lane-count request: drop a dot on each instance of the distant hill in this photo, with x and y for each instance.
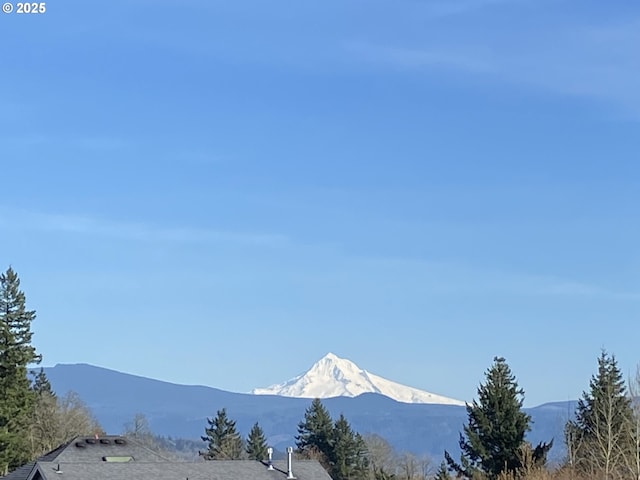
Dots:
(180, 411)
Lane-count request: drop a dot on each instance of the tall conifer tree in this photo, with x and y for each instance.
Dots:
(342, 452)
(223, 438)
(493, 440)
(315, 434)
(601, 438)
(349, 458)
(17, 399)
(256, 444)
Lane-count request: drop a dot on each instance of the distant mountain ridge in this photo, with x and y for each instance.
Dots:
(332, 376)
(181, 411)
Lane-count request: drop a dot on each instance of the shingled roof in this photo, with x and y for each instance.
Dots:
(119, 458)
(204, 470)
(20, 473)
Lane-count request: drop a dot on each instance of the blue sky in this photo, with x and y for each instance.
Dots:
(220, 193)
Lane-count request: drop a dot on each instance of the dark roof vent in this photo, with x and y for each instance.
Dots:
(105, 441)
(91, 441)
(81, 444)
(120, 441)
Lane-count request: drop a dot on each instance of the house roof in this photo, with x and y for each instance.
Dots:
(91, 449)
(203, 470)
(86, 457)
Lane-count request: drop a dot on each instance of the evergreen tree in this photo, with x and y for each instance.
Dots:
(496, 428)
(600, 437)
(256, 444)
(382, 474)
(315, 434)
(349, 452)
(17, 399)
(223, 438)
(443, 472)
(41, 384)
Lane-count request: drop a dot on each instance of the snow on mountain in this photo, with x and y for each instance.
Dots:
(332, 376)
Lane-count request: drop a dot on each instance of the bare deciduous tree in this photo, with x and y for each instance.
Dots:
(58, 420)
(382, 457)
(413, 467)
(573, 443)
(633, 457)
(138, 427)
(75, 418)
(43, 434)
(385, 462)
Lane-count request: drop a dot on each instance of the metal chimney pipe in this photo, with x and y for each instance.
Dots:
(289, 470)
(270, 453)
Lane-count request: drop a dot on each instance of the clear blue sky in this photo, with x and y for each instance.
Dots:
(222, 192)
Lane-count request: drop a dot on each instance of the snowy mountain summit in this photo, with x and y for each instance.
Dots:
(332, 376)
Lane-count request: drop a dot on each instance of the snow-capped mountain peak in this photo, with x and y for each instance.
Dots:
(332, 376)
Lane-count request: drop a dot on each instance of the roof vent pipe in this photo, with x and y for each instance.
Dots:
(289, 455)
(270, 453)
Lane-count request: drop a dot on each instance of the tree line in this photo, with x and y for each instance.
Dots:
(225, 443)
(340, 449)
(602, 440)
